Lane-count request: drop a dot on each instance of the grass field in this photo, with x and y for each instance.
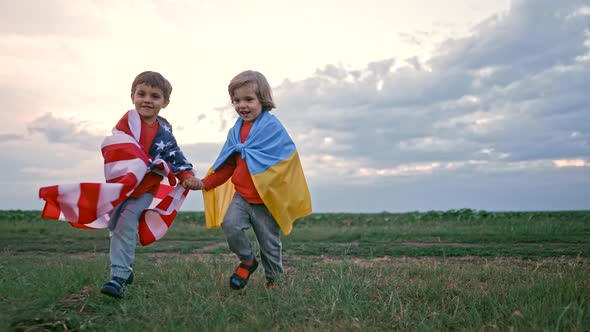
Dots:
(432, 271)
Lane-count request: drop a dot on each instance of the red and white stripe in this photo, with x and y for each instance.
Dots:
(87, 205)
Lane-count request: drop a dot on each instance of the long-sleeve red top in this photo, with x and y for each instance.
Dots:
(236, 168)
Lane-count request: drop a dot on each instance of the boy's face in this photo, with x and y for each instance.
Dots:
(148, 101)
(246, 103)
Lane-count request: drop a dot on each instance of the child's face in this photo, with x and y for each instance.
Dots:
(148, 101)
(246, 103)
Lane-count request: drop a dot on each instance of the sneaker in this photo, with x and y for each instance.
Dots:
(240, 278)
(116, 286)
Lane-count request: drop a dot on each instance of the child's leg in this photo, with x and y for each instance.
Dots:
(123, 228)
(268, 234)
(235, 223)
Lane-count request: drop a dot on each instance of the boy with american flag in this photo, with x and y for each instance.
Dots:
(139, 154)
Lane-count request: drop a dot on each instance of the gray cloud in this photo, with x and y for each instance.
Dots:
(517, 86)
(58, 130)
(518, 191)
(10, 137)
(533, 36)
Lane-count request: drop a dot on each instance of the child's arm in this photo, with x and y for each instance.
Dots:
(221, 175)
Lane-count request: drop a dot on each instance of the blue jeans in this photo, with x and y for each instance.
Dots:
(242, 215)
(123, 233)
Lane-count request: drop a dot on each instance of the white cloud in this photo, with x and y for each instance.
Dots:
(570, 163)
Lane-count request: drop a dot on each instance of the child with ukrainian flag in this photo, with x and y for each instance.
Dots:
(267, 191)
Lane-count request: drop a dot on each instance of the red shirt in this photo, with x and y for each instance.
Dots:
(236, 168)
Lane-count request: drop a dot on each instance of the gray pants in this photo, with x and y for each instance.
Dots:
(239, 217)
(123, 232)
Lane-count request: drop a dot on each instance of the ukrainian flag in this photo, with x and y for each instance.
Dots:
(275, 168)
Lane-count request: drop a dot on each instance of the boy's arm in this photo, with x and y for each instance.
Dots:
(182, 176)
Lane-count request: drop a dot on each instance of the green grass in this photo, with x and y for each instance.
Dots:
(452, 270)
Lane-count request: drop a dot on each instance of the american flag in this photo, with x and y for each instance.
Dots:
(88, 205)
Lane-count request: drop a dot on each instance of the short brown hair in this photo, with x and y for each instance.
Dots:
(263, 91)
(153, 79)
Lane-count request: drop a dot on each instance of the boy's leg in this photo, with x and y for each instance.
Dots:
(123, 228)
(268, 234)
(235, 223)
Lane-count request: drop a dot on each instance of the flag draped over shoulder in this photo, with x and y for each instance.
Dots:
(88, 205)
(275, 168)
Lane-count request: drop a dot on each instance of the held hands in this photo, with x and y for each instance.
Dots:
(193, 183)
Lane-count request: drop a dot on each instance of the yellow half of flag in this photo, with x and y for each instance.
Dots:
(283, 190)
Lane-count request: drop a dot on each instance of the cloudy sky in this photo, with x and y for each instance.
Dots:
(394, 105)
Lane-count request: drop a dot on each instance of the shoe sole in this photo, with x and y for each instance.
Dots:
(108, 293)
(112, 292)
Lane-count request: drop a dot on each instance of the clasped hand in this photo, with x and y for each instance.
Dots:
(193, 183)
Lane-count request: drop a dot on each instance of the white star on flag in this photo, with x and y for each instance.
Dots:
(161, 145)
